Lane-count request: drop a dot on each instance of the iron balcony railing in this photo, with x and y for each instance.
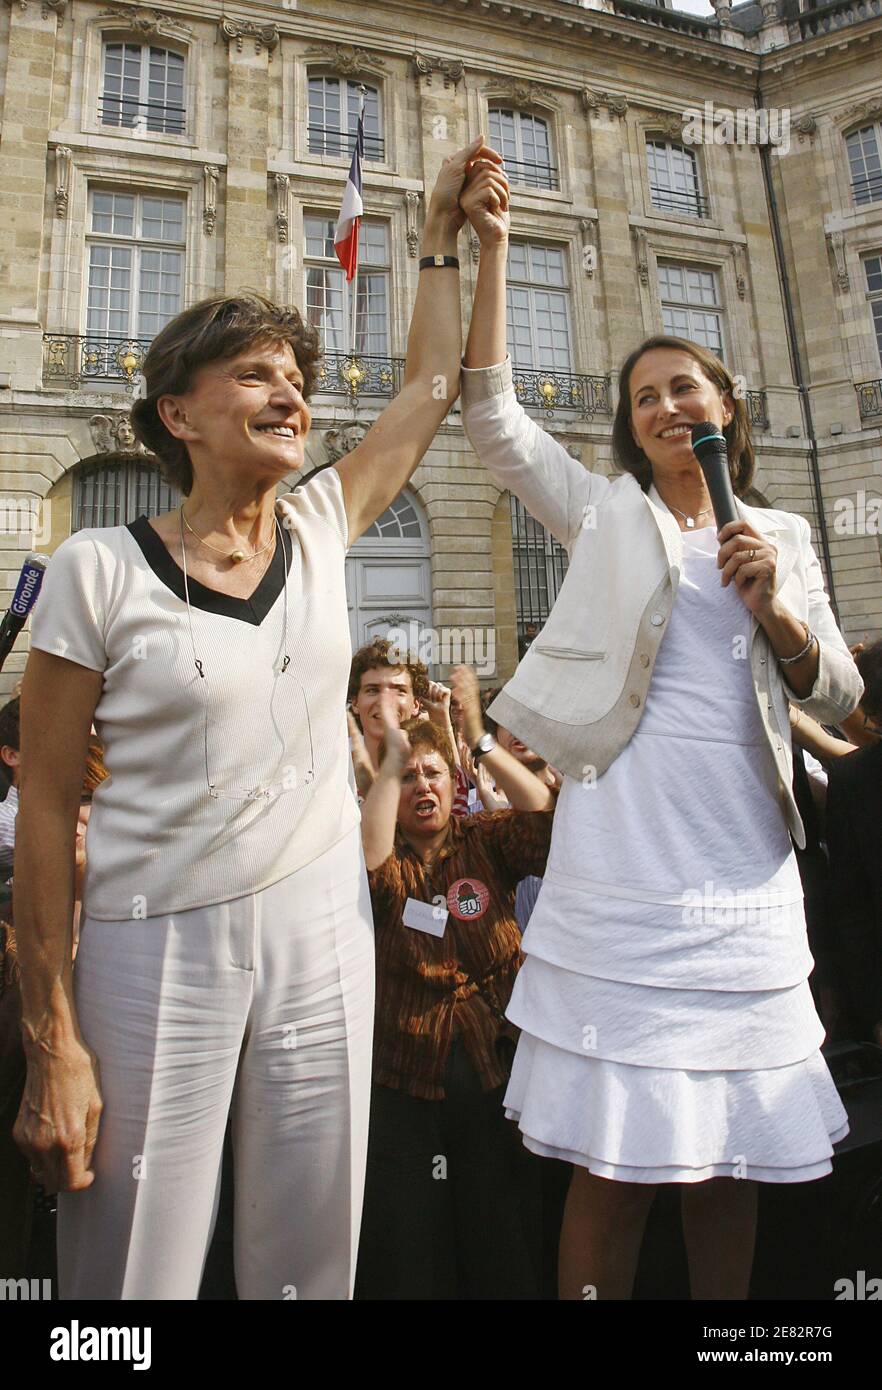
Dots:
(757, 409)
(867, 188)
(531, 173)
(71, 358)
(869, 399)
(359, 374)
(120, 110)
(672, 200)
(562, 391)
(328, 140)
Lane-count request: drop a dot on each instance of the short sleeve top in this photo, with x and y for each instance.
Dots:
(224, 727)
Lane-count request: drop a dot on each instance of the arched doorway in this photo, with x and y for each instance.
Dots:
(389, 573)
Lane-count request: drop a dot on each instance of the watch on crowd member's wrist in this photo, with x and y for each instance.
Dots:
(486, 743)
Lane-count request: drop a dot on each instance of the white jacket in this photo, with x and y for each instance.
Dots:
(579, 693)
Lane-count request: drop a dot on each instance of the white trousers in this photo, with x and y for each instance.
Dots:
(262, 1009)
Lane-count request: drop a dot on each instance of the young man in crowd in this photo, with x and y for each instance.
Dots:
(452, 1203)
(377, 668)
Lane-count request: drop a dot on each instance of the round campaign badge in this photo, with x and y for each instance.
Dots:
(467, 898)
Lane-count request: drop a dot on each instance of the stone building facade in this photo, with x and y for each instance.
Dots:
(151, 157)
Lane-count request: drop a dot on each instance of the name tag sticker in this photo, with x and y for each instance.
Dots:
(425, 917)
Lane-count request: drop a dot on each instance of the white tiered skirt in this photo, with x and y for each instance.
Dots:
(671, 1123)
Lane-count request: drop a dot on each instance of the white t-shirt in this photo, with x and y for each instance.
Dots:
(158, 840)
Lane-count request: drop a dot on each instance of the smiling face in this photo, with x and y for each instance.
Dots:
(426, 794)
(367, 703)
(248, 411)
(669, 393)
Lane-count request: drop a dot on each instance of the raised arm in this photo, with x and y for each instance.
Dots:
(57, 1124)
(380, 810)
(523, 789)
(376, 471)
(520, 456)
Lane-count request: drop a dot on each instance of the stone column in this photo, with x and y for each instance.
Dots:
(247, 233)
(27, 101)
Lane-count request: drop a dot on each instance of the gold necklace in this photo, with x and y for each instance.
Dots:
(237, 556)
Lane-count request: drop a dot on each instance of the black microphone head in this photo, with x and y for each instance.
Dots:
(707, 439)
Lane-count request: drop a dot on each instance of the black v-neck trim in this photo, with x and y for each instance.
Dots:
(168, 571)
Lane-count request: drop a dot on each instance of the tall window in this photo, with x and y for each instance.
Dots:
(865, 161)
(334, 104)
(113, 494)
(537, 307)
(142, 88)
(540, 565)
(691, 307)
(136, 263)
(524, 143)
(328, 303)
(873, 268)
(673, 179)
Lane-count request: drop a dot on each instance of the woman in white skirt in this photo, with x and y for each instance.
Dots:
(668, 1032)
(226, 962)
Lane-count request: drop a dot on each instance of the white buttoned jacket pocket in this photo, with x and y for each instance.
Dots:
(569, 653)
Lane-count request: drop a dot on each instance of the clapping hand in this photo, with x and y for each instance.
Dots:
(398, 749)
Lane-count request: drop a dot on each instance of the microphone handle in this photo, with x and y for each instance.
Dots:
(719, 485)
(10, 627)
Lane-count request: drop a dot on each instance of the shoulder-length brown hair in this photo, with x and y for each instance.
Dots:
(631, 458)
(214, 330)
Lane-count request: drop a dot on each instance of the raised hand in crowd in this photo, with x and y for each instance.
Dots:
(380, 809)
(524, 791)
(361, 759)
(436, 704)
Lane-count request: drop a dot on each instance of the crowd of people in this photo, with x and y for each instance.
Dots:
(432, 987)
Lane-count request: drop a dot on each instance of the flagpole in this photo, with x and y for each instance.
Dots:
(353, 284)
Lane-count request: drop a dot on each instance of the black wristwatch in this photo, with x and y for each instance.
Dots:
(486, 743)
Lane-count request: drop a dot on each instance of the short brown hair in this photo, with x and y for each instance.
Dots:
(628, 454)
(421, 733)
(869, 664)
(214, 330)
(380, 653)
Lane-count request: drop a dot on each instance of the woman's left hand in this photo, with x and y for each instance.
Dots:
(751, 561)
(444, 202)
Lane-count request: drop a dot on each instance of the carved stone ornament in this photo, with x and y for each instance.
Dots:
(148, 21)
(345, 59)
(411, 203)
(62, 179)
(668, 123)
(281, 183)
(113, 434)
(210, 175)
(738, 262)
(836, 246)
(865, 111)
(805, 127)
(641, 249)
(342, 439)
(588, 228)
(723, 11)
(266, 36)
(451, 69)
(48, 7)
(520, 93)
(770, 11)
(615, 103)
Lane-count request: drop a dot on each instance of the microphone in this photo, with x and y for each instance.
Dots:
(709, 447)
(26, 593)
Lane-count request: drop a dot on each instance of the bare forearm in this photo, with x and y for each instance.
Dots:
(378, 817)
(787, 636)
(434, 342)
(486, 344)
(810, 735)
(43, 891)
(522, 787)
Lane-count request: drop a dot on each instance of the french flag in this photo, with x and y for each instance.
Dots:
(351, 209)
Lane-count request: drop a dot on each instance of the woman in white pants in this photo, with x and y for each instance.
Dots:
(225, 962)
